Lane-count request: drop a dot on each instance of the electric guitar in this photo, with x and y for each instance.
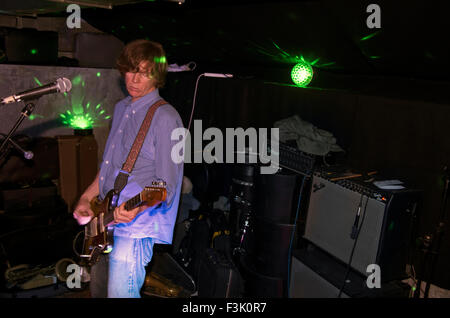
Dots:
(97, 237)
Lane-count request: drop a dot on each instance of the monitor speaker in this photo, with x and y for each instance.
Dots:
(77, 166)
(385, 224)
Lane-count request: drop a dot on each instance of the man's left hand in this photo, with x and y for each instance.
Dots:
(122, 215)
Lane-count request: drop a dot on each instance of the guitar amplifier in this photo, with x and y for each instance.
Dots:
(385, 223)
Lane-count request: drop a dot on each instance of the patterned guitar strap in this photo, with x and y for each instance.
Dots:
(122, 177)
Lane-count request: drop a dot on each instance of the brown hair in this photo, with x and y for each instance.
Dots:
(138, 51)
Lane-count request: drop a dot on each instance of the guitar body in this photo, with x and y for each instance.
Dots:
(98, 239)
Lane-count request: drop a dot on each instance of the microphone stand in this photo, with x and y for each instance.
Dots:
(432, 243)
(26, 112)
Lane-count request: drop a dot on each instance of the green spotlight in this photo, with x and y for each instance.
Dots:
(81, 114)
(76, 80)
(161, 59)
(302, 74)
(80, 122)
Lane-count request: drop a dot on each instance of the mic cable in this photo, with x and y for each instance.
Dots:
(353, 248)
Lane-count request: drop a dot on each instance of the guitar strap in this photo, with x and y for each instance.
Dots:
(122, 177)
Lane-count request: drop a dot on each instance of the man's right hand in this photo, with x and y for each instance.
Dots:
(82, 212)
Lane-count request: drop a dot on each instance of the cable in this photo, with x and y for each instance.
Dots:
(217, 75)
(353, 248)
(193, 102)
(74, 242)
(292, 235)
(413, 288)
(325, 161)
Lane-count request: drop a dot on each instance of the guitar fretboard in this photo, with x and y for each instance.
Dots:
(129, 205)
(133, 202)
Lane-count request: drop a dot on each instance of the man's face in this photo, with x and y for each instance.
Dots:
(139, 83)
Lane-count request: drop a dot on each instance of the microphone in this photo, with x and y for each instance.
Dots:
(61, 85)
(354, 232)
(27, 154)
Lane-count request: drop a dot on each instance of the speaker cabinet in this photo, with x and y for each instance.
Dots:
(97, 50)
(260, 285)
(385, 224)
(277, 196)
(317, 274)
(307, 283)
(77, 166)
(271, 247)
(272, 231)
(29, 46)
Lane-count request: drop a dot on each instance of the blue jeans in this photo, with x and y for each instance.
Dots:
(126, 272)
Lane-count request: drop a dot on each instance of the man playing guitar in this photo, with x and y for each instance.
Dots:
(121, 273)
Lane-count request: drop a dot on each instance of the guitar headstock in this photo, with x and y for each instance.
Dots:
(159, 184)
(155, 194)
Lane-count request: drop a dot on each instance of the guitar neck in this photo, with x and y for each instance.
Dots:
(133, 202)
(129, 205)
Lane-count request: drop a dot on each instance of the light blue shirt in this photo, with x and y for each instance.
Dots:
(154, 162)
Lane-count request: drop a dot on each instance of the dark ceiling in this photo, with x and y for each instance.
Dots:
(262, 36)
(413, 40)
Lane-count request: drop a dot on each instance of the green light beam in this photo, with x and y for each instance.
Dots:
(368, 37)
(37, 81)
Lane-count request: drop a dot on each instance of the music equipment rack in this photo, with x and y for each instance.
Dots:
(295, 160)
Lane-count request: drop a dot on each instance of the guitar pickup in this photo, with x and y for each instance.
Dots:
(92, 227)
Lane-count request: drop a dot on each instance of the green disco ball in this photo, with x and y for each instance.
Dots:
(302, 74)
